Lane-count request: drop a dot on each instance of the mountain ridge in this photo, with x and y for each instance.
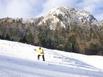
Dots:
(68, 15)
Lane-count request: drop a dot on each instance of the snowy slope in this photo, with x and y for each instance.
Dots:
(19, 60)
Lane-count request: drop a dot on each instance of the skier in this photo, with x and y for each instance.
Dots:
(40, 52)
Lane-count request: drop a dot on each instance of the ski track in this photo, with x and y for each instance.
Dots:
(16, 67)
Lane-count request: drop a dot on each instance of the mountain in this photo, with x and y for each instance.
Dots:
(20, 60)
(66, 16)
(83, 32)
(63, 28)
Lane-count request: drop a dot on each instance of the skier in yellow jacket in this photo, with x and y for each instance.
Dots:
(40, 52)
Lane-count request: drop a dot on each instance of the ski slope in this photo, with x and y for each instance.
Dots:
(20, 60)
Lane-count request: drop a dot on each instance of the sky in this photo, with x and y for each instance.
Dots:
(35, 8)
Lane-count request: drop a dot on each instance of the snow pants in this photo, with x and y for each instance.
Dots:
(42, 57)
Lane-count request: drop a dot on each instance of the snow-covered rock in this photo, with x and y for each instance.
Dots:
(64, 16)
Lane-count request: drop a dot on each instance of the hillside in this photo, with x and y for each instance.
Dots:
(17, 59)
(63, 28)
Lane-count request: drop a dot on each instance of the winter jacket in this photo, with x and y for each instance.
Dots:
(40, 51)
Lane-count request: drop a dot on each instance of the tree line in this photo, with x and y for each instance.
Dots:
(74, 38)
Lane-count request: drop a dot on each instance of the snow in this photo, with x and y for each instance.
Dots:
(20, 60)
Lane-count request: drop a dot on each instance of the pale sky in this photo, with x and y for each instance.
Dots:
(34, 8)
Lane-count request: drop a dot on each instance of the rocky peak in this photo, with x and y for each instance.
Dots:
(65, 16)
